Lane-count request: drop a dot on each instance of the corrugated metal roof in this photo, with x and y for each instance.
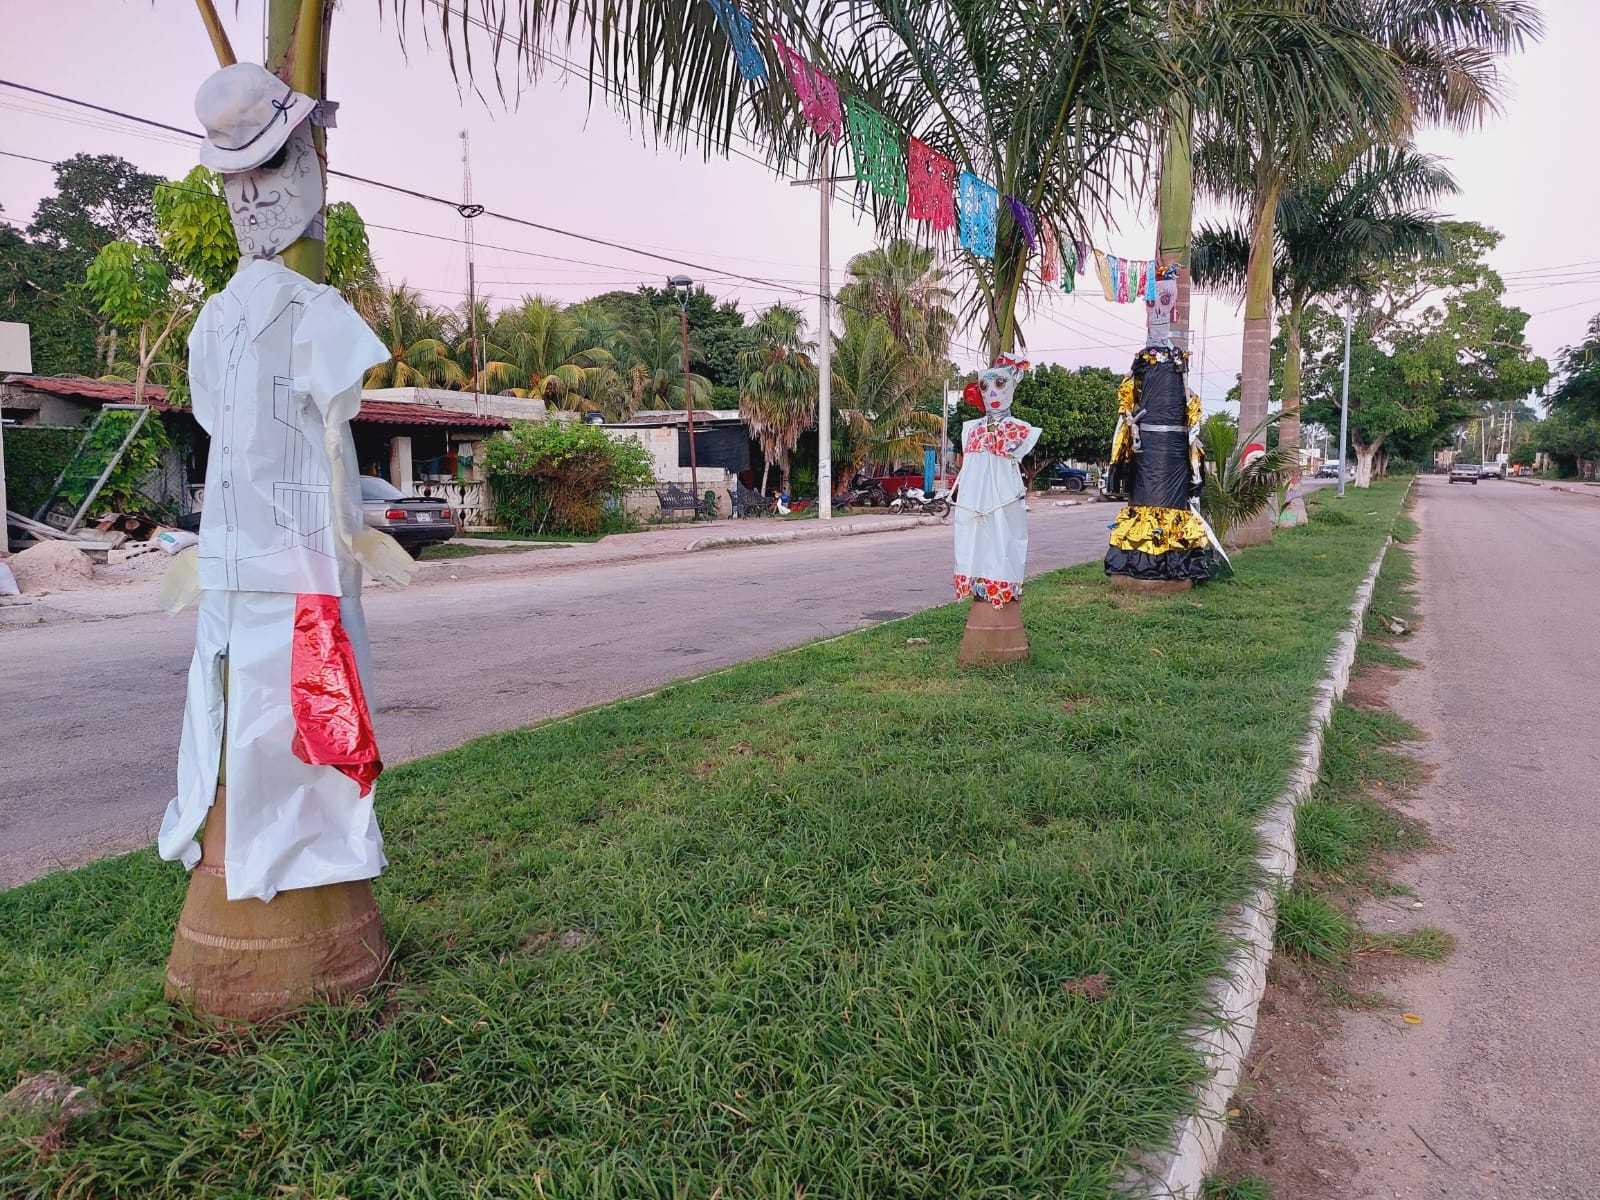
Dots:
(384, 412)
(105, 391)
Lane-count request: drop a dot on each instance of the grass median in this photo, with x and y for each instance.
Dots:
(845, 922)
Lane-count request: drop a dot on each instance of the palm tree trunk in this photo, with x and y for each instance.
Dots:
(1289, 426)
(1255, 374)
(1177, 215)
(297, 52)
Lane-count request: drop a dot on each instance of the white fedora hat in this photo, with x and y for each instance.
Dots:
(248, 113)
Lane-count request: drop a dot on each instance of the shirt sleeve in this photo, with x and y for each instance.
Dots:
(1028, 442)
(205, 365)
(333, 349)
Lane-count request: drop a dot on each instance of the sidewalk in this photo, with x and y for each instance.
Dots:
(131, 588)
(1572, 487)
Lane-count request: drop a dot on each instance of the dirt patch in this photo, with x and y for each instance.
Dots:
(1370, 687)
(51, 567)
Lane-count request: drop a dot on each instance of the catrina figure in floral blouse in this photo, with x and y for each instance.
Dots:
(991, 524)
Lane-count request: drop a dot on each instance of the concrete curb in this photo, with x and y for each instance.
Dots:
(1179, 1171)
(809, 534)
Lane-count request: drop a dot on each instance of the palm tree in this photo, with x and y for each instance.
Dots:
(418, 336)
(654, 380)
(1048, 101)
(1299, 88)
(1331, 231)
(540, 349)
(1365, 72)
(1236, 491)
(878, 387)
(778, 387)
(901, 283)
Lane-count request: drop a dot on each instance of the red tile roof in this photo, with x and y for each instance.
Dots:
(387, 412)
(106, 391)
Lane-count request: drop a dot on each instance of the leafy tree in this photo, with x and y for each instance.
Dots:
(1433, 343)
(1077, 410)
(1579, 392)
(130, 284)
(40, 288)
(1571, 430)
(778, 389)
(99, 199)
(557, 476)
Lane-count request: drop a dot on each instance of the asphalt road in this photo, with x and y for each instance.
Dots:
(90, 711)
(1493, 1094)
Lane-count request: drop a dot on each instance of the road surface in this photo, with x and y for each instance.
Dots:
(1494, 1094)
(91, 711)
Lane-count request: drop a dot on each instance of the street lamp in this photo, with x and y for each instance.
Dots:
(681, 286)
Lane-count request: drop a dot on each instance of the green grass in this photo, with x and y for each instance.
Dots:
(456, 550)
(561, 539)
(1250, 1188)
(804, 924)
(1311, 927)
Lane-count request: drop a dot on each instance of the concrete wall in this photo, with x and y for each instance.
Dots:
(661, 443)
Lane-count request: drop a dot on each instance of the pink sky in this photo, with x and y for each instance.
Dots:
(1530, 174)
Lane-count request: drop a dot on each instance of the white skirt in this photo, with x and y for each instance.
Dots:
(290, 824)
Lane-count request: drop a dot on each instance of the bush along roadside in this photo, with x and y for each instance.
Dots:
(1349, 837)
(846, 922)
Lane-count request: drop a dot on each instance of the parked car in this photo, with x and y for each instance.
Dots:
(1330, 470)
(898, 480)
(413, 521)
(1464, 473)
(1060, 475)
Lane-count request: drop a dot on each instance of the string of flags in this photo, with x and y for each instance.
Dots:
(930, 185)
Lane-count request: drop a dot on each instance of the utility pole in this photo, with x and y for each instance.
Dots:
(824, 183)
(682, 285)
(468, 211)
(1344, 400)
(825, 353)
(944, 434)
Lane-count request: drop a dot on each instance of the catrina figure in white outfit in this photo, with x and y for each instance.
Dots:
(991, 525)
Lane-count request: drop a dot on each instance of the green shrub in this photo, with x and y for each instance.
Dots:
(556, 476)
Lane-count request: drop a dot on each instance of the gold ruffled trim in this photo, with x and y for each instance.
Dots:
(1122, 439)
(1158, 530)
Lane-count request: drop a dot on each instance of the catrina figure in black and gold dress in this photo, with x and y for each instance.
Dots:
(1157, 463)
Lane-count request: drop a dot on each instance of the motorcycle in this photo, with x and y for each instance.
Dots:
(863, 492)
(914, 499)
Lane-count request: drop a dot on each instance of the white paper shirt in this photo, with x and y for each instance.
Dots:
(275, 364)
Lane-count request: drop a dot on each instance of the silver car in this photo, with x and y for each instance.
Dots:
(413, 521)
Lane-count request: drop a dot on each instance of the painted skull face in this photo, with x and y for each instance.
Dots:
(997, 385)
(279, 202)
(1158, 316)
